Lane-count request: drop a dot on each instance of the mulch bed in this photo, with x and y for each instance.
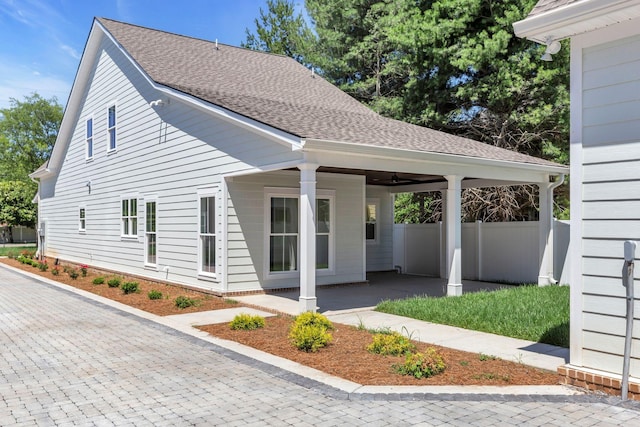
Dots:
(161, 307)
(348, 358)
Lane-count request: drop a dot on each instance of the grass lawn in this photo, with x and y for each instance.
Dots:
(532, 313)
(8, 250)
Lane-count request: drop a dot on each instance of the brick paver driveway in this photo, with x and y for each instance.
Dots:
(67, 360)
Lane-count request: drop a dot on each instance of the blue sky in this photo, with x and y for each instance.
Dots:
(41, 41)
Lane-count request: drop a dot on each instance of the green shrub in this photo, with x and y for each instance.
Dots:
(310, 332)
(422, 365)
(43, 266)
(392, 344)
(184, 302)
(130, 288)
(247, 322)
(114, 282)
(73, 273)
(13, 254)
(98, 280)
(55, 271)
(154, 294)
(84, 269)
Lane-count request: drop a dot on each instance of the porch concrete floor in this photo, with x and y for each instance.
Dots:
(381, 286)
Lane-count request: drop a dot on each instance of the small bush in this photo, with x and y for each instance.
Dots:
(73, 273)
(84, 269)
(392, 344)
(43, 266)
(247, 322)
(185, 302)
(130, 288)
(13, 254)
(154, 294)
(98, 280)
(55, 271)
(484, 357)
(310, 332)
(422, 365)
(113, 282)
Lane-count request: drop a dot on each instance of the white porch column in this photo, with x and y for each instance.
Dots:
(307, 237)
(545, 247)
(444, 273)
(454, 235)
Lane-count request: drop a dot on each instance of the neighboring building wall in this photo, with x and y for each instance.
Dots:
(248, 231)
(606, 139)
(167, 153)
(380, 251)
(501, 251)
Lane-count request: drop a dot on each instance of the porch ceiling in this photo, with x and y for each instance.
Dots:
(388, 179)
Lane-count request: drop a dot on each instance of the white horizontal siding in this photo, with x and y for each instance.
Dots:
(169, 152)
(247, 234)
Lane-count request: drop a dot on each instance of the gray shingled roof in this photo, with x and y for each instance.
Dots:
(278, 91)
(547, 5)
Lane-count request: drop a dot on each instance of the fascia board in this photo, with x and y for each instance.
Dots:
(430, 157)
(573, 19)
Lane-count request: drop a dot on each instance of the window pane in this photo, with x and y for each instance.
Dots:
(291, 215)
(276, 246)
(203, 215)
(125, 208)
(151, 248)
(277, 214)
(134, 226)
(112, 116)
(82, 213)
(290, 255)
(112, 139)
(89, 128)
(323, 211)
(211, 215)
(125, 226)
(133, 207)
(151, 217)
(371, 213)
(208, 254)
(371, 231)
(90, 148)
(322, 251)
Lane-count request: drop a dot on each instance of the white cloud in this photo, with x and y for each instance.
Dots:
(124, 11)
(17, 82)
(71, 51)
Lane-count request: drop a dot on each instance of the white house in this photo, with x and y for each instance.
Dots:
(605, 175)
(237, 171)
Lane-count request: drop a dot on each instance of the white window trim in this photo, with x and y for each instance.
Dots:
(270, 192)
(88, 157)
(114, 149)
(82, 230)
(154, 199)
(376, 240)
(215, 193)
(130, 236)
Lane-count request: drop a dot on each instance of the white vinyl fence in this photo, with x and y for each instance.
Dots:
(20, 234)
(503, 251)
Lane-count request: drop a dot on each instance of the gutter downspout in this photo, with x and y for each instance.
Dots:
(552, 242)
(39, 255)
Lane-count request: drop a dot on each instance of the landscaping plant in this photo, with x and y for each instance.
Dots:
(154, 294)
(114, 282)
(422, 365)
(391, 344)
(98, 280)
(185, 302)
(247, 322)
(130, 288)
(310, 332)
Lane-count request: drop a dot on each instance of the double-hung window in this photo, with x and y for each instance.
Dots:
(111, 128)
(150, 237)
(207, 233)
(89, 139)
(82, 220)
(129, 217)
(283, 231)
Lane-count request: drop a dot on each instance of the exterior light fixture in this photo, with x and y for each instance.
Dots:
(553, 47)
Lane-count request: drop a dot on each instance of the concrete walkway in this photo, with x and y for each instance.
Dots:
(72, 358)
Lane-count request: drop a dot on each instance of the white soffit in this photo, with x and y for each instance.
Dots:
(576, 18)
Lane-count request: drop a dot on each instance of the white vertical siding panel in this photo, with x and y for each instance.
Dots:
(380, 254)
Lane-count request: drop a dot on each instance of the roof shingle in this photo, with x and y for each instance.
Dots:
(279, 92)
(547, 5)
